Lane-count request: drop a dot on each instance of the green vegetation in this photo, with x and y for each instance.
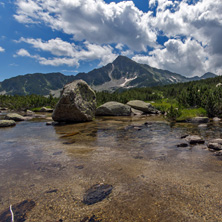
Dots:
(181, 101)
(27, 102)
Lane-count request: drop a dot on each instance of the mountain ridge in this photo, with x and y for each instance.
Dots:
(121, 73)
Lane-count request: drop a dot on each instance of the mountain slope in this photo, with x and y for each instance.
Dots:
(121, 73)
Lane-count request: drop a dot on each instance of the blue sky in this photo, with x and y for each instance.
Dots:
(72, 36)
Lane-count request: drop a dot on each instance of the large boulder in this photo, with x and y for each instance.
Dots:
(14, 116)
(7, 123)
(142, 106)
(77, 103)
(113, 109)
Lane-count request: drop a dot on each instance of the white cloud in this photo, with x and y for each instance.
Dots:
(2, 49)
(188, 58)
(92, 20)
(68, 53)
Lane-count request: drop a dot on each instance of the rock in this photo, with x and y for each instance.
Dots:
(77, 103)
(15, 117)
(20, 211)
(49, 123)
(137, 112)
(184, 136)
(143, 106)
(194, 139)
(202, 125)
(215, 146)
(216, 119)
(29, 113)
(198, 120)
(218, 153)
(97, 193)
(113, 109)
(216, 141)
(7, 123)
(182, 145)
(44, 109)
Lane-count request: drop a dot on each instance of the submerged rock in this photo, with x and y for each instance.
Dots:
(77, 103)
(113, 109)
(143, 106)
(14, 116)
(20, 211)
(194, 139)
(97, 193)
(182, 145)
(7, 123)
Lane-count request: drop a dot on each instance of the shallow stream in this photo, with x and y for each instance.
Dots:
(152, 178)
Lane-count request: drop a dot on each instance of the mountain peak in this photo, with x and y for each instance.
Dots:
(208, 75)
(121, 59)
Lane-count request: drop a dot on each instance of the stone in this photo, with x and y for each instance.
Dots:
(20, 211)
(97, 193)
(7, 123)
(113, 109)
(215, 146)
(216, 119)
(142, 106)
(182, 145)
(29, 113)
(216, 141)
(137, 112)
(198, 120)
(14, 116)
(194, 139)
(77, 103)
(202, 125)
(44, 109)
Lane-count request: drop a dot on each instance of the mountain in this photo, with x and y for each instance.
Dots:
(121, 73)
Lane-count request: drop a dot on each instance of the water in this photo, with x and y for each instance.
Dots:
(152, 179)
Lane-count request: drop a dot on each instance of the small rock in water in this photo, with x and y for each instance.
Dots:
(184, 136)
(215, 146)
(218, 153)
(216, 141)
(194, 139)
(80, 167)
(14, 116)
(91, 219)
(52, 191)
(57, 153)
(216, 119)
(202, 125)
(7, 123)
(20, 211)
(97, 193)
(182, 145)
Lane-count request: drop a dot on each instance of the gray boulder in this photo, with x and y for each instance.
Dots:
(77, 103)
(7, 123)
(198, 120)
(218, 140)
(142, 106)
(216, 119)
(113, 109)
(14, 116)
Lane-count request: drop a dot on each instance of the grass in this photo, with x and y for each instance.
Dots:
(165, 104)
(37, 109)
(191, 113)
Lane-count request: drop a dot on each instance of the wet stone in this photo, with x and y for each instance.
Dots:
(97, 193)
(57, 153)
(194, 139)
(20, 211)
(80, 167)
(182, 145)
(52, 191)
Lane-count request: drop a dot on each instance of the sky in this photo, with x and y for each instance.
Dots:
(72, 36)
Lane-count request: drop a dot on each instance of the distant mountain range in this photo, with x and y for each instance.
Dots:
(121, 73)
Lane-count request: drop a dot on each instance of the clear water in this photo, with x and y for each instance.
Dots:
(152, 179)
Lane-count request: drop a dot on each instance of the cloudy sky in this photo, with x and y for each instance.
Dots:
(71, 36)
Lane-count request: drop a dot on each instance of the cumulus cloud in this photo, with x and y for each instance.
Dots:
(187, 58)
(193, 30)
(68, 53)
(2, 49)
(92, 20)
